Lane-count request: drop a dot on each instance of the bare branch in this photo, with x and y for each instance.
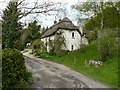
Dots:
(39, 8)
(21, 2)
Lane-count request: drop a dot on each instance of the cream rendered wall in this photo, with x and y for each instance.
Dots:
(71, 41)
(46, 39)
(76, 41)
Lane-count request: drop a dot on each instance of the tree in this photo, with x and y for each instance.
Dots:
(10, 25)
(31, 33)
(16, 11)
(97, 15)
(34, 28)
(107, 43)
(88, 10)
(111, 20)
(104, 21)
(0, 33)
(57, 44)
(38, 8)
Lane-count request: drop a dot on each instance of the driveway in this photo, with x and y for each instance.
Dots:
(48, 74)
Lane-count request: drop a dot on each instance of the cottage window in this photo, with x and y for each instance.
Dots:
(73, 35)
(72, 47)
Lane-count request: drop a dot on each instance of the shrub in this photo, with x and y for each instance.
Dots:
(56, 45)
(37, 44)
(62, 53)
(14, 73)
(19, 45)
(106, 43)
(39, 52)
(82, 48)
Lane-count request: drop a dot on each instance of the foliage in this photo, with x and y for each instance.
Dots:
(0, 32)
(34, 28)
(31, 33)
(57, 44)
(14, 73)
(52, 48)
(110, 19)
(19, 45)
(40, 52)
(106, 43)
(91, 9)
(10, 25)
(25, 36)
(97, 16)
(37, 44)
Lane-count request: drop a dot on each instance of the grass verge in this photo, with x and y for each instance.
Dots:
(108, 72)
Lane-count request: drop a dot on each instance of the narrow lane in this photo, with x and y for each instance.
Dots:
(47, 74)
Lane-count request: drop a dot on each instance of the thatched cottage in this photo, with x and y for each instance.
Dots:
(71, 33)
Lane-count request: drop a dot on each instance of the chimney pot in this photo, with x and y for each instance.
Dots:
(55, 22)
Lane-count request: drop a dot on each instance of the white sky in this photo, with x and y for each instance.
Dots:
(48, 20)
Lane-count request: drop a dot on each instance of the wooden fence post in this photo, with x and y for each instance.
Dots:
(74, 60)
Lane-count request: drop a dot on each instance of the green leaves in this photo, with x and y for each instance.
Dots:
(10, 25)
(97, 16)
(31, 33)
(110, 20)
(106, 43)
(57, 44)
(13, 69)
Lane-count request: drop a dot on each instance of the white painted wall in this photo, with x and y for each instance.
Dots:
(71, 41)
(76, 41)
(46, 39)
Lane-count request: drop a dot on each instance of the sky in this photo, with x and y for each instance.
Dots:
(49, 20)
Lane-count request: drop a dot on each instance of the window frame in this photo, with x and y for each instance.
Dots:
(73, 35)
(72, 47)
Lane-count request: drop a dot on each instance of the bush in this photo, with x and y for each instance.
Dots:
(82, 48)
(37, 44)
(19, 45)
(39, 52)
(56, 45)
(62, 53)
(14, 73)
(106, 43)
(58, 53)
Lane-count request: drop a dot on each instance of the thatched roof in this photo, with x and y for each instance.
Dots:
(63, 24)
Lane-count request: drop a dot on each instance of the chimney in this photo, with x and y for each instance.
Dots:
(55, 22)
(59, 20)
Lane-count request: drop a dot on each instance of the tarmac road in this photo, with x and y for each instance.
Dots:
(48, 74)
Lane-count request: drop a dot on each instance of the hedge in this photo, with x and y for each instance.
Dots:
(14, 73)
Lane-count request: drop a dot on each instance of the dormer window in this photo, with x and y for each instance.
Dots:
(73, 35)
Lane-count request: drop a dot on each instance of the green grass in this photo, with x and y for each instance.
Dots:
(108, 73)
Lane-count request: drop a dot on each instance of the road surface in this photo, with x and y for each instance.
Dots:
(48, 74)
